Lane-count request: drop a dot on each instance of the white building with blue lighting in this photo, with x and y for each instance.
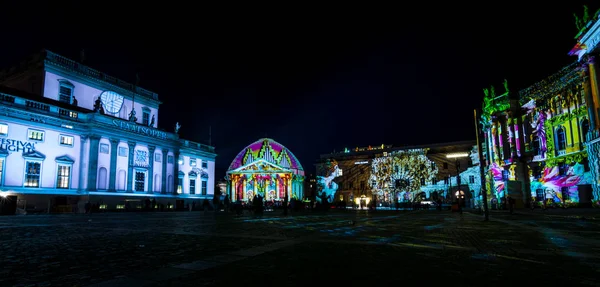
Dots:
(69, 134)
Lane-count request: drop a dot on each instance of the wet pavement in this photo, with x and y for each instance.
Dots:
(200, 249)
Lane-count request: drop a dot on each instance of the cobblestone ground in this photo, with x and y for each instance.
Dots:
(197, 249)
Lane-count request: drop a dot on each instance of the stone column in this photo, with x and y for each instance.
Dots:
(504, 136)
(165, 157)
(92, 178)
(589, 101)
(82, 141)
(130, 159)
(151, 150)
(176, 171)
(114, 146)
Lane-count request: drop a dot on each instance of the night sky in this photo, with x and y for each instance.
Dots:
(314, 78)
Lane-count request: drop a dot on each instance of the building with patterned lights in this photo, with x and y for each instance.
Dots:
(265, 168)
(70, 134)
(391, 174)
(542, 143)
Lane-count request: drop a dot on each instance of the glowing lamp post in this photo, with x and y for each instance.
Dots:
(459, 193)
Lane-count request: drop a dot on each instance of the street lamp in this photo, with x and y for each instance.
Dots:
(459, 193)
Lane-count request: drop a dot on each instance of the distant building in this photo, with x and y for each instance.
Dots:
(70, 134)
(265, 168)
(386, 173)
(310, 186)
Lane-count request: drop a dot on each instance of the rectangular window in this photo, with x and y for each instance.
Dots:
(192, 162)
(35, 135)
(471, 179)
(104, 148)
(204, 164)
(192, 186)
(145, 118)
(122, 151)
(170, 159)
(63, 176)
(3, 129)
(32, 173)
(204, 187)
(66, 140)
(140, 181)
(64, 94)
(157, 157)
(179, 184)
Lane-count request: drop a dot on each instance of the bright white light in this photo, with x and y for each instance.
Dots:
(455, 155)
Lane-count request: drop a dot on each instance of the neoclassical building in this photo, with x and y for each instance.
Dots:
(70, 133)
(265, 168)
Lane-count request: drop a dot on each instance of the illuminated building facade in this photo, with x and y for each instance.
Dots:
(541, 144)
(268, 169)
(70, 134)
(587, 51)
(535, 141)
(403, 173)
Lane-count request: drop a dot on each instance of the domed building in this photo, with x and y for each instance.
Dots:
(265, 168)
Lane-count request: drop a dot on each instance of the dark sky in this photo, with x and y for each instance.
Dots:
(314, 78)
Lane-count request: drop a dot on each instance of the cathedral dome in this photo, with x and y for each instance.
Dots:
(268, 150)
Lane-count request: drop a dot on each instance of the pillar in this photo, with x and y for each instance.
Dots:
(82, 141)
(151, 150)
(503, 136)
(593, 88)
(589, 101)
(176, 172)
(130, 159)
(165, 158)
(92, 178)
(114, 146)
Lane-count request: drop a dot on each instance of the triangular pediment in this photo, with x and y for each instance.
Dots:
(34, 155)
(260, 165)
(64, 159)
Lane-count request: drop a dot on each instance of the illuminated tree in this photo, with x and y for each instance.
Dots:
(402, 170)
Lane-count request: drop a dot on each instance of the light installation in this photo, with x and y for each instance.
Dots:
(267, 169)
(401, 173)
(326, 187)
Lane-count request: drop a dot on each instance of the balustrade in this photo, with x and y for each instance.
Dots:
(87, 71)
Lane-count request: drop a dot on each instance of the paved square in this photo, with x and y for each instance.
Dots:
(192, 249)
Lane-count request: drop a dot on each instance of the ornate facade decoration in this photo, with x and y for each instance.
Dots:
(267, 169)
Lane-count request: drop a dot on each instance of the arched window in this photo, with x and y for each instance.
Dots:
(121, 180)
(561, 140)
(102, 178)
(156, 183)
(585, 127)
